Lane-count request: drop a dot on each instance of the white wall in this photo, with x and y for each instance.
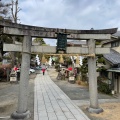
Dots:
(107, 45)
(117, 49)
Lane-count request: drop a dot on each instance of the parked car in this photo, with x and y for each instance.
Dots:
(31, 70)
(38, 68)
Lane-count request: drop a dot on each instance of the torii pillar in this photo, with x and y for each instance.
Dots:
(93, 92)
(22, 110)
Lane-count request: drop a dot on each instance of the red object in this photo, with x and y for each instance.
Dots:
(15, 68)
(43, 70)
(70, 68)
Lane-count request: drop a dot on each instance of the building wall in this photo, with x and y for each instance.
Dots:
(117, 49)
(119, 83)
(107, 45)
(107, 65)
(115, 85)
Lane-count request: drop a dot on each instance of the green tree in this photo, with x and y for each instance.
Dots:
(4, 15)
(39, 40)
(42, 42)
(84, 69)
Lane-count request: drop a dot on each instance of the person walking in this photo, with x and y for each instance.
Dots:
(43, 70)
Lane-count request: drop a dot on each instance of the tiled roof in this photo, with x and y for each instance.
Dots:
(113, 57)
(113, 39)
(117, 34)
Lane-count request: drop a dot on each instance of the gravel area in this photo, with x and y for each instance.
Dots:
(80, 96)
(9, 98)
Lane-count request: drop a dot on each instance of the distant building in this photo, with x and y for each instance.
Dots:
(113, 61)
(76, 43)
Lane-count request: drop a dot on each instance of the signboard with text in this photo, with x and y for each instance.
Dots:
(61, 43)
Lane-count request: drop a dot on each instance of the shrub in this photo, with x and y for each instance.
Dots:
(103, 87)
(57, 67)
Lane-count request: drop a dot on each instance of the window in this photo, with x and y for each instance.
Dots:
(115, 44)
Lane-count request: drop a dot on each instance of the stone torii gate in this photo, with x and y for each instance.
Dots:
(31, 31)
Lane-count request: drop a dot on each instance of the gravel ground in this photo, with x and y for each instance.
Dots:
(9, 98)
(111, 112)
(79, 93)
(74, 91)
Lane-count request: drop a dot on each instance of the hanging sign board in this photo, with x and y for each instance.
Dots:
(61, 42)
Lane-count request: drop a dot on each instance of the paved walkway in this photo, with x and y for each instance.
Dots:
(51, 103)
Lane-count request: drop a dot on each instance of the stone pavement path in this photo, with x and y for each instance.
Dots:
(51, 103)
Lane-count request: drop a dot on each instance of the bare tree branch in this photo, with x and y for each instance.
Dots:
(4, 9)
(19, 9)
(14, 10)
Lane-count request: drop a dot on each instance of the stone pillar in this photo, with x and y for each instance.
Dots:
(22, 111)
(92, 79)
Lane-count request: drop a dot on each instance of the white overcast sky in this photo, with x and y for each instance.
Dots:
(72, 14)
